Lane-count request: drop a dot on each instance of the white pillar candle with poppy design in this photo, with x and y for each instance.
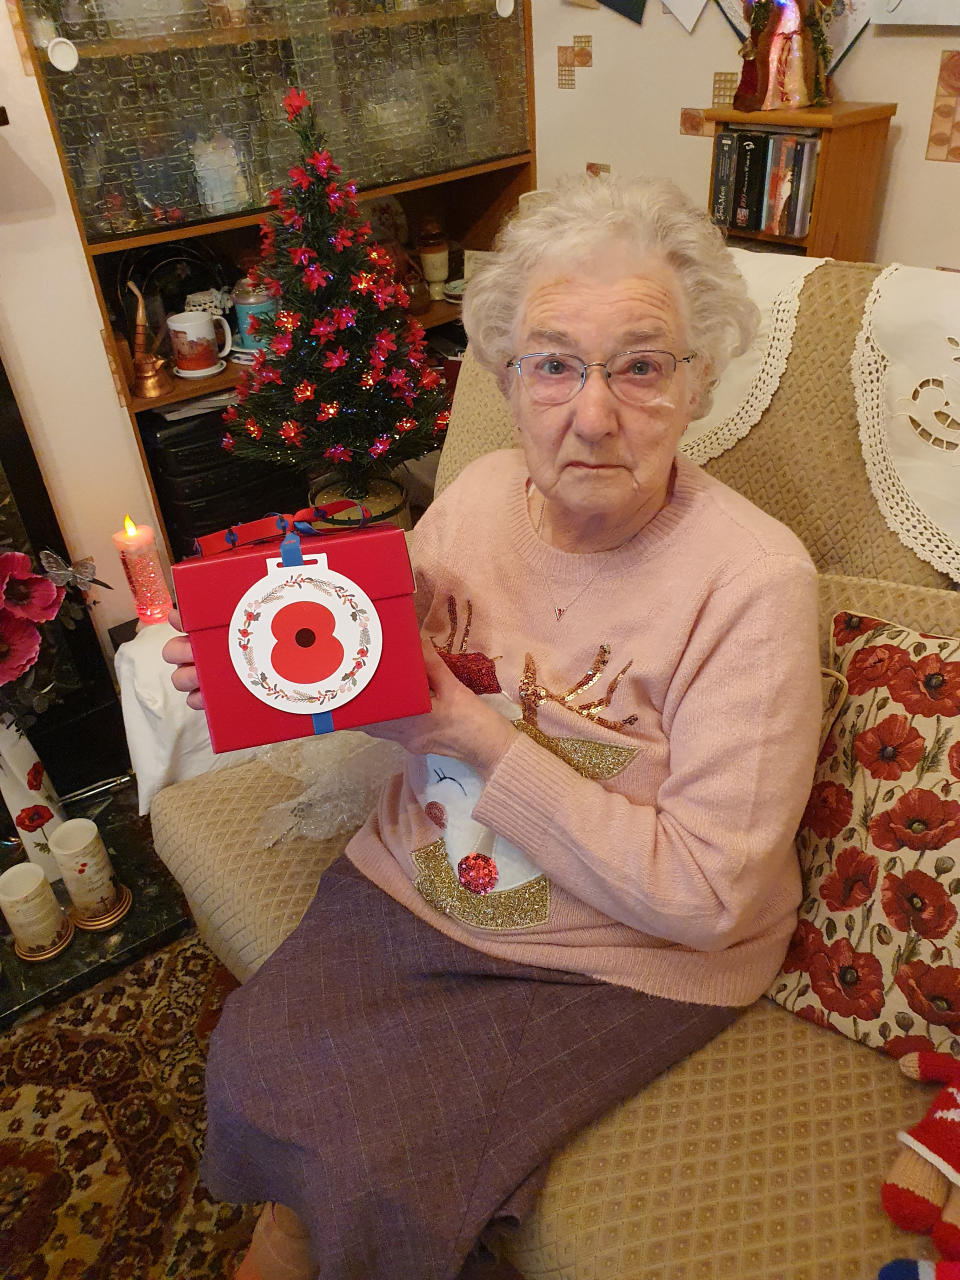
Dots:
(29, 796)
(88, 874)
(36, 919)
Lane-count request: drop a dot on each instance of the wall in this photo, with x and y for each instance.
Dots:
(51, 348)
(625, 110)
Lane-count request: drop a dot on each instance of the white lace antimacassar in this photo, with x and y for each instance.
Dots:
(905, 369)
(751, 380)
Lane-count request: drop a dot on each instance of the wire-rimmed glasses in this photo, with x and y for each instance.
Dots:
(635, 377)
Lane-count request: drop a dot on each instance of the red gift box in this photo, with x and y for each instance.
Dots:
(293, 637)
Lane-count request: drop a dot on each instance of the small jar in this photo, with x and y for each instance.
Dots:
(251, 299)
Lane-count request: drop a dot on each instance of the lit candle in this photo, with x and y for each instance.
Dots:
(141, 563)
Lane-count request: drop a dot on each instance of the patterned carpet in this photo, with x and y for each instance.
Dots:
(101, 1125)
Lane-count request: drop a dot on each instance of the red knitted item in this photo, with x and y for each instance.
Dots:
(947, 1239)
(937, 1136)
(908, 1210)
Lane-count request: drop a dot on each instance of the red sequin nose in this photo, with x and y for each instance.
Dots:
(477, 872)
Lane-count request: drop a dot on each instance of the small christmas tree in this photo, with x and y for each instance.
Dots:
(343, 384)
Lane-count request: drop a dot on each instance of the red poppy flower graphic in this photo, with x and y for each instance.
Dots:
(932, 992)
(828, 749)
(953, 759)
(307, 651)
(33, 818)
(890, 748)
(900, 1046)
(847, 626)
(806, 942)
(915, 901)
(873, 666)
(928, 687)
(811, 1013)
(828, 809)
(852, 881)
(918, 820)
(848, 982)
(35, 776)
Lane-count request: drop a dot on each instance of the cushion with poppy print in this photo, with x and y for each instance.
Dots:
(876, 953)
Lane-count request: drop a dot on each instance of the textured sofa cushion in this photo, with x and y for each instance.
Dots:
(879, 843)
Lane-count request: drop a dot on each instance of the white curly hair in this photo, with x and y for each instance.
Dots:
(583, 215)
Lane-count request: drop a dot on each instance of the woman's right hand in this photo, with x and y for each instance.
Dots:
(178, 651)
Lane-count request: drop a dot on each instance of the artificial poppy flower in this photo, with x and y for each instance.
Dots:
(807, 940)
(873, 666)
(828, 809)
(932, 992)
(848, 982)
(915, 902)
(294, 102)
(24, 593)
(919, 820)
(847, 626)
(19, 646)
(33, 817)
(891, 748)
(852, 881)
(927, 687)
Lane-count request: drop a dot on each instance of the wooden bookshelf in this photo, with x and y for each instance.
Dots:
(853, 140)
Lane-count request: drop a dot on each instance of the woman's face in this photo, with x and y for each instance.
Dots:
(596, 458)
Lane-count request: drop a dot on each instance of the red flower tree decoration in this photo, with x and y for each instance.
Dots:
(342, 383)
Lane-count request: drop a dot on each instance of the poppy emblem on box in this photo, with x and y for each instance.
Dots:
(305, 638)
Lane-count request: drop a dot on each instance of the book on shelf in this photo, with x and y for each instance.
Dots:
(748, 187)
(724, 172)
(779, 183)
(807, 178)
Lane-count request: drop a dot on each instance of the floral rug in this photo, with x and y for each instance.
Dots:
(101, 1126)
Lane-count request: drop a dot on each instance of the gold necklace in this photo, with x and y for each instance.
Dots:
(558, 609)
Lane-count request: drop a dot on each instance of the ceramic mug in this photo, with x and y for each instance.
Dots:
(85, 865)
(194, 339)
(36, 919)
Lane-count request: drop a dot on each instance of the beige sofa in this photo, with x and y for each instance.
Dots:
(760, 1157)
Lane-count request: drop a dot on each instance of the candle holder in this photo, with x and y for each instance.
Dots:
(141, 563)
(40, 927)
(99, 900)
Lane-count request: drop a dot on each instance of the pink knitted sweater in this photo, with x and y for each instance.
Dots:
(640, 827)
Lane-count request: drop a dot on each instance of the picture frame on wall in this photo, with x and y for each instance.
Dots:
(844, 22)
(927, 13)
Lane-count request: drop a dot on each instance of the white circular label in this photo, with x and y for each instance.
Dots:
(305, 639)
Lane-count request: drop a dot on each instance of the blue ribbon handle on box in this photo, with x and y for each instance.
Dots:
(291, 554)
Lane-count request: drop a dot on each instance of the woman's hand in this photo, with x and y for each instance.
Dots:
(179, 652)
(459, 723)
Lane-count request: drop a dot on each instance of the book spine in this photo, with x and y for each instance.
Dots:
(748, 188)
(772, 183)
(724, 172)
(807, 181)
(792, 204)
(778, 222)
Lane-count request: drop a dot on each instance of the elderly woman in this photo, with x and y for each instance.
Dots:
(586, 866)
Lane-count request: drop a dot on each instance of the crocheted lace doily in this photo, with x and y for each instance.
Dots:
(749, 381)
(906, 376)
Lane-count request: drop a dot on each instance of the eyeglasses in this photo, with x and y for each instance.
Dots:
(635, 377)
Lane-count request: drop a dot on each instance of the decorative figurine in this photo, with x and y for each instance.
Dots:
(785, 58)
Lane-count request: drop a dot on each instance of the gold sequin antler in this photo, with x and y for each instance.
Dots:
(597, 760)
(532, 693)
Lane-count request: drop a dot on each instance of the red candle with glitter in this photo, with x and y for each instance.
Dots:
(141, 563)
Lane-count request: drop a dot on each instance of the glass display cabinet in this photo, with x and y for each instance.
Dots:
(169, 122)
(169, 111)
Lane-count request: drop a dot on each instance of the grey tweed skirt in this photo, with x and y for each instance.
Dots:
(402, 1092)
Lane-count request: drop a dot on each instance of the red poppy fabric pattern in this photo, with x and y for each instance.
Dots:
(876, 952)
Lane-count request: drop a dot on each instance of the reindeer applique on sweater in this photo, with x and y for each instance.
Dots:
(470, 872)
